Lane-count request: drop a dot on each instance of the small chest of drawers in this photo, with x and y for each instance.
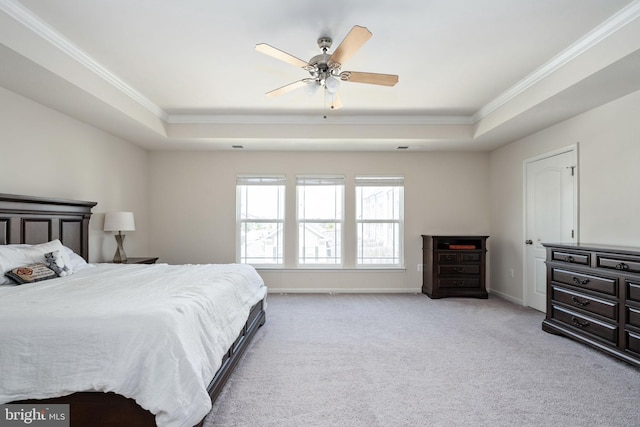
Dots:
(454, 266)
(593, 296)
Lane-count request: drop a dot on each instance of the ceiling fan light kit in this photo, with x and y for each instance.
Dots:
(325, 69)
(332, 84)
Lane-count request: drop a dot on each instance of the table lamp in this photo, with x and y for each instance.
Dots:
(119, 221)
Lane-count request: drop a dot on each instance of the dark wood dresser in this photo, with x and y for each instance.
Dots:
(454, 266)
(593, 296)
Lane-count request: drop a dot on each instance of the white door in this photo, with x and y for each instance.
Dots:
(550, 216)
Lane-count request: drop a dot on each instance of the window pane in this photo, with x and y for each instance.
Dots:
(262, 201)
(261, 243)
(319, 243)
(378, 243)
(320, 202)
(378, 202)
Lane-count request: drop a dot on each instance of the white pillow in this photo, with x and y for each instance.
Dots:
(14, 256)
(76, 262)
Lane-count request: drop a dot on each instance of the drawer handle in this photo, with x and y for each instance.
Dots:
(578, 302)
(458, 269)
(580, 282)
(577, 322)
(450, 258)
(622, 266)
(569, 258)
(456, 283)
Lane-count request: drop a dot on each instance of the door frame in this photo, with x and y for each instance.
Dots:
(576, 211)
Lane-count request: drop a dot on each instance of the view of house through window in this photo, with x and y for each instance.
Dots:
(320, 217)
(260, 219)
(318, 231)
(379, 220)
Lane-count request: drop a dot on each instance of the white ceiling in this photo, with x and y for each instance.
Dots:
(185, 75)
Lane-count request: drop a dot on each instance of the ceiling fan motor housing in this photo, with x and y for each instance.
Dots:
(320, 69)
(324, 43)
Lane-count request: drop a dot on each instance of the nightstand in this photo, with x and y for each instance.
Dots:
(140, 260)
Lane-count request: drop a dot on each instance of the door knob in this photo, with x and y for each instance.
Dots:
(528, 242)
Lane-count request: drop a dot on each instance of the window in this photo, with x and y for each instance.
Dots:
(320, 217)
(379, 220)
(260, 219)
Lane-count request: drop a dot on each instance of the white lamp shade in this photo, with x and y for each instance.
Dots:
(311, 88)
(332, 84)
(119, 221)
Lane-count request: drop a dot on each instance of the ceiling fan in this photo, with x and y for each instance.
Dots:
(325, 69)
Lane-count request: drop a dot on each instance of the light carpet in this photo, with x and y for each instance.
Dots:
(406, 360)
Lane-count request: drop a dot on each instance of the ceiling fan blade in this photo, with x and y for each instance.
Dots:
(287, 88)
(350, 45)
(282, 56)
(370, 78)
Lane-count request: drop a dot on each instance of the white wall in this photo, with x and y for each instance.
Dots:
(608, 140)
(193, 205)
(185, 201)
(48, 154)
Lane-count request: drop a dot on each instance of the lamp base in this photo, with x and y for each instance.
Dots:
(120, 255)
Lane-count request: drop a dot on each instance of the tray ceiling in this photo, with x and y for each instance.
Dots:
(185, 75)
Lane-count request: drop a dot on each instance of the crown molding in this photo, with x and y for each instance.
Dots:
(309, 119)
(624, 16)
(34, 23)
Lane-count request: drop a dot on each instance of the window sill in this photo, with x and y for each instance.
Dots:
(333, 269)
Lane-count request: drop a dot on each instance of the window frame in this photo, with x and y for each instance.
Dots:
(318, 180)
(361, 181)
(261, 180)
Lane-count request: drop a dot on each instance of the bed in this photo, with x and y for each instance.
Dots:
(171, 357)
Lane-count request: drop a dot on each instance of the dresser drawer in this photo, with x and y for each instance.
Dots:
(459, 257)
(633, 316)
(456, 270)
(582, 258)
(447, 257)
(620, 263)
(608, 309)
(595, 283)
(459, 283)
(588, 324)
(633, 291)
(633, 342)
(473, 257)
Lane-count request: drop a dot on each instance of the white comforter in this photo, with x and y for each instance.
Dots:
(155, 333)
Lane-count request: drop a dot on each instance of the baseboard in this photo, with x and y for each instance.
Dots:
(507, 297)
(345, 291)
(498, 294)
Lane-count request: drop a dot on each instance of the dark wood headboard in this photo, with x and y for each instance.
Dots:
(33, 220)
